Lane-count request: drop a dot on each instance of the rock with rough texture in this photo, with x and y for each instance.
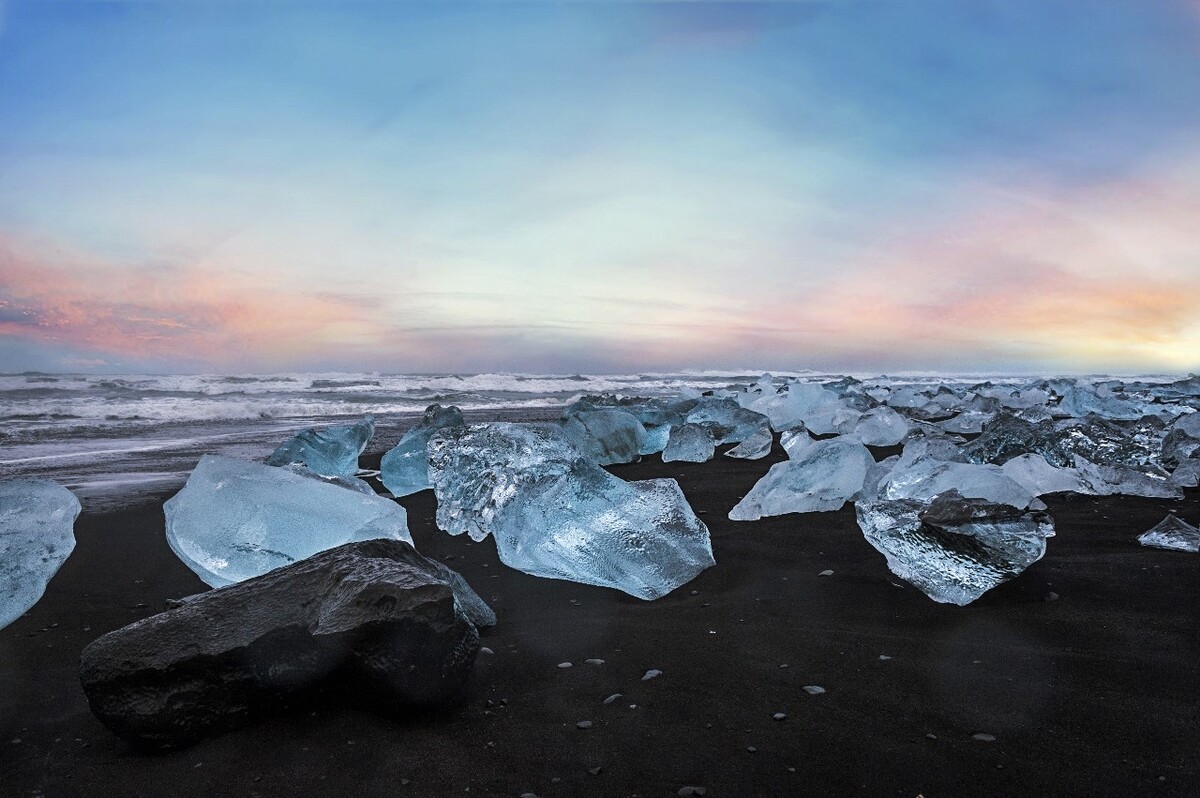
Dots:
(689, 443)
(591, 527)
(826, 475)
(607, 436)
(330, 452)
(1172, 533)
(234, 520)
(404, 470)
(37, 521)
(954, 549)
(374, 619)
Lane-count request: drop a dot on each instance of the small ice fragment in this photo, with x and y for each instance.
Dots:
(653, 673)
(1172, 533)
(813, 689)
(331, 452)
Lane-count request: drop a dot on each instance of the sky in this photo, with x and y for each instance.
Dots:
(600, 186)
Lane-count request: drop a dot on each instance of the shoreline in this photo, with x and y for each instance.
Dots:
(1090, 694)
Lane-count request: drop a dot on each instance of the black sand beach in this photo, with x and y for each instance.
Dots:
(1095, 693)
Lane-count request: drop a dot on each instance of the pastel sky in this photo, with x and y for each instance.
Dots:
(600, 186)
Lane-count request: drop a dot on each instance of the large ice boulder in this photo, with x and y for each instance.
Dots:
(607, 436)
(37, 522)
(477, 469)
(588, 526)
(921, 474)
(1172, 533)
(332, 451)
(404, 469)
(374, 620)
(689, 443)
(729, 422)
(555, 513)
(954, 549)
(1032, 472)
(826, 475)
(234, 520)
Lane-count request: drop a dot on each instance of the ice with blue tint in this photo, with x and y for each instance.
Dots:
(826, 475)
(475, 470)
(37, 523)
(756, 447)
(819, 408)
(589, 526)
(235, 519)
(927, 468)
(1032, 472)
(879, 426)
(1082, 400)
(689, 443)
(405, 468)
(728, 421)
(554, 512)
(1172, 533)
(331, 452)
(795, 440)
(606, 435)
(951, 548)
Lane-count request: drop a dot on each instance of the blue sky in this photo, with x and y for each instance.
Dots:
(599, 186)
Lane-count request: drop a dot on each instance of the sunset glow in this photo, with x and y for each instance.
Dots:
(600, 186)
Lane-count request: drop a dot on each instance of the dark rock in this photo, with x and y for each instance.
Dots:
(373, 619)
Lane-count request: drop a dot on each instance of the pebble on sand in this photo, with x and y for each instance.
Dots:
(583, 724)
(779, 716)
(564, 664)
(685, 791)
(613, 698)
(651, 674)
(984, 738)
(826, 572)
(813, 689)
(593, 661)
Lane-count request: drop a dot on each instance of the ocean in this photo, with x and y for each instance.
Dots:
(114, 439)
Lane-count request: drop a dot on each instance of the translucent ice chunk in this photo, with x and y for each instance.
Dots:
(795, 440)
(330, 452)
(1032, 472)
(1186, 474)
(588, 526)
(405, 468)
(1172, 533)
(920, 475)
(234, 519)
(880, 426)
(37, 520)
(606, 436)
(826, 476)
(954, 549)
(728, 422)
(477, 469)
(1081, 400)
(1106, 480)
(756, 447)
(690, 443)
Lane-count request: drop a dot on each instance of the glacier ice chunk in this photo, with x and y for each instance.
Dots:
(37, 522)
(879, 426)
(1172, 533)
(951, 548)
(405, 467)
(607, 436)
(826, 475)
(589, 526)
(475, 470)
(1032, 472)
(234, 519)
(756, 447)
(689, 443)
(331, 452)
(920, 475)
(729, 422)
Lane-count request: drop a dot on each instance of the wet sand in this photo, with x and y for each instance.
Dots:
(1095, 693)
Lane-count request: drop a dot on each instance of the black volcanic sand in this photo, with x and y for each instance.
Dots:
(1092, 694)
